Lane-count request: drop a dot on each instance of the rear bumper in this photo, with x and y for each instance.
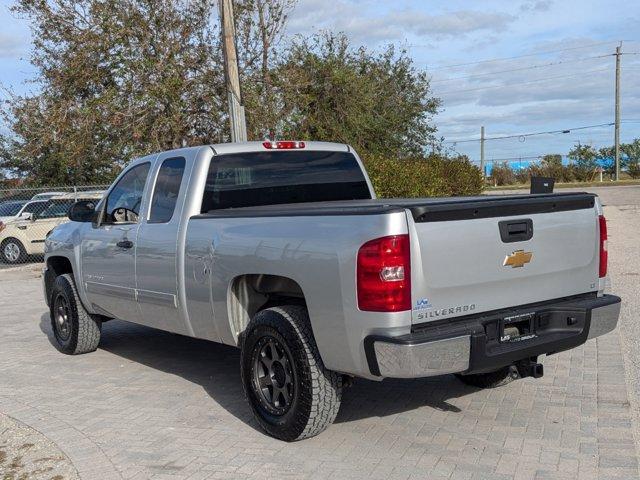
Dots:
(477, 344)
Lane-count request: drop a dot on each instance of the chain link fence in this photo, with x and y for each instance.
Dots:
(27, 215)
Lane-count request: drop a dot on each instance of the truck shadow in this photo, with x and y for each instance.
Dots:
(215, 367)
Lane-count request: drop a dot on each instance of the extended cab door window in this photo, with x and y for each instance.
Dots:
(158, 246)
(165, 193)
(124, 200)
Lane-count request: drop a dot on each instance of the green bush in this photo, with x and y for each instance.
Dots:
(433, 176)
(633, 169)
(503, 174)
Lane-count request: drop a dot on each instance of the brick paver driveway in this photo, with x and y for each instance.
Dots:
(150, 404)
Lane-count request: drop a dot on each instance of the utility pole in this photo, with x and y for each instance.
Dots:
(482, 150)
(236, 110)
(617, 127)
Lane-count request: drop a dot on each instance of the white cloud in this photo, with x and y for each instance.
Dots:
(365, 21)
(536, 5)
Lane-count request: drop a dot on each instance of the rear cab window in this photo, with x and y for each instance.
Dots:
(272, 178)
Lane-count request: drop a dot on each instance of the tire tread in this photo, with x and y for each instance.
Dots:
(87, 334)
(324, 394)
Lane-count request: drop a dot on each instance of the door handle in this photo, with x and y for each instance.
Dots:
(519, 230)
(125, 244)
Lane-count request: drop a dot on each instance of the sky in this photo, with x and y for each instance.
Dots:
(562, 76)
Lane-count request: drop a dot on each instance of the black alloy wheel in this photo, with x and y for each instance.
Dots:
(273, 378)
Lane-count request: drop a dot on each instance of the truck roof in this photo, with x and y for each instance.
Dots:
(241, 147)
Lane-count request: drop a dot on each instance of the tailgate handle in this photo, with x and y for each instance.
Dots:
(516, 230)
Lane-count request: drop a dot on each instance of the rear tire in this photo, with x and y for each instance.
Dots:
(74, 329)
(292, 395)
(12, 251)
(495, 379)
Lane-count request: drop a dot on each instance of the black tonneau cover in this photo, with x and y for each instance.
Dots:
(422, 209)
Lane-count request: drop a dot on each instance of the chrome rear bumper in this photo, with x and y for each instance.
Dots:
(449, 355)
(474, 345)
(604, 320)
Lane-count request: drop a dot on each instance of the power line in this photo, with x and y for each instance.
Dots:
(443, 67)
(524, 135)
(531, 67)
(522, 83)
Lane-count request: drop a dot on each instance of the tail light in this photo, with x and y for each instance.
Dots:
(384, 275)
(604, 254)
(282, 145)
(2, 226)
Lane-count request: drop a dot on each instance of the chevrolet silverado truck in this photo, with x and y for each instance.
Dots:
(282, 249)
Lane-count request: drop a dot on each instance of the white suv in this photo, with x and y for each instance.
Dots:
(15, 210)
(25, 235)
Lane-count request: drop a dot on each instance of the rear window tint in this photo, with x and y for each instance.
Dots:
(272, 178)
(165, 194)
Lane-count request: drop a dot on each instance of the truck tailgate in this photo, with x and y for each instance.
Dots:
(480, 255)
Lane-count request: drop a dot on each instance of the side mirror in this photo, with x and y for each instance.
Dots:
(27, 216)
(82, 211)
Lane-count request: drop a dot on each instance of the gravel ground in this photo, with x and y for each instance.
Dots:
(27, 454)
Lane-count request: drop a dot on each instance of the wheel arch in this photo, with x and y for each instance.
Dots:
(251, 293)
(54, 267)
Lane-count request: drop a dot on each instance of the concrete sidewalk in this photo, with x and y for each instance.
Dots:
(149, 404)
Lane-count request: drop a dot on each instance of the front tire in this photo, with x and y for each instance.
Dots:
(12, 251)
(292, 395)
(74, 329)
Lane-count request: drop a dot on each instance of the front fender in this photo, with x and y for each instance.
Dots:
(65, 241)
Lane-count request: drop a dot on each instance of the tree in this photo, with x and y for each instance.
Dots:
(551, 166)
(117, 79)
(631, 157)
(607, 160)
(585, 161)
(552, 160)
(259, 26)
(377, 102)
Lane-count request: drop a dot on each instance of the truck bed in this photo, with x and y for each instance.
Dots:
(460, 246)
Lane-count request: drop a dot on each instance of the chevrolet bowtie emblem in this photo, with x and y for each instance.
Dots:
(517, 259)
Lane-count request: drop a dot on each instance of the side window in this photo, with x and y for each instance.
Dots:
(56, 209)
(165, 194)
(123, 203)
(35, 207)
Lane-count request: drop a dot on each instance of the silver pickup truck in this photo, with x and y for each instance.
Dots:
(282, 249)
